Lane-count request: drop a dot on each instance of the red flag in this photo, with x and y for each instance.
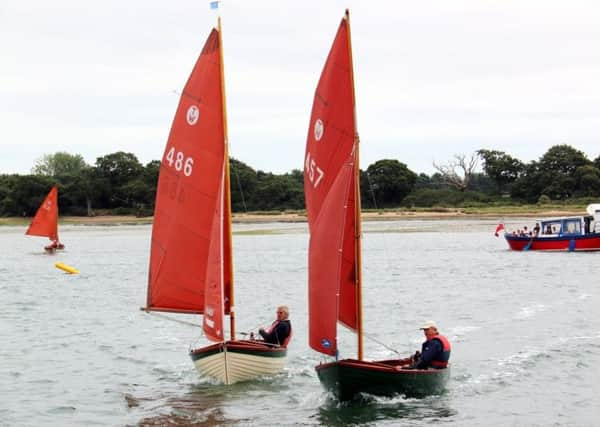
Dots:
(499, 229)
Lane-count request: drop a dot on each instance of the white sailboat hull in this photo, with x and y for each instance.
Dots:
(234, 361)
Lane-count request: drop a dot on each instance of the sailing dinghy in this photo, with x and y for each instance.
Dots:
(191, 262)
(332, 190)
(45, 221)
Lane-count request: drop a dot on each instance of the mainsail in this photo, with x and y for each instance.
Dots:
(330, 185)
(190, 256)
(45, 221)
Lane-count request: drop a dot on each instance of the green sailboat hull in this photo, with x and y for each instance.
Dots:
(348, 378)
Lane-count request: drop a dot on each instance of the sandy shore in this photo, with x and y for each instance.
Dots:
(396, 215)
(250, 218)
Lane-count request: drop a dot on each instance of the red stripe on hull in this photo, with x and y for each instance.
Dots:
(566, 243)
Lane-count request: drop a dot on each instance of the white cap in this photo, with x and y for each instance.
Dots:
(429, 324)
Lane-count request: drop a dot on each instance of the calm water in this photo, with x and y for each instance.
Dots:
(525, 328)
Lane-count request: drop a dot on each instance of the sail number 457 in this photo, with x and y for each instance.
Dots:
(178, 160)
(313, 171)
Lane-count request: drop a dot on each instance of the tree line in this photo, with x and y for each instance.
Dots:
(119, 184)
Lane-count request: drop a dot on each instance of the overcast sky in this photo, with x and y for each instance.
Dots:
(433, 78)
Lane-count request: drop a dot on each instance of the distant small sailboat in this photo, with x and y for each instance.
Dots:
(191, 262)
(332, 190)
(45, 221)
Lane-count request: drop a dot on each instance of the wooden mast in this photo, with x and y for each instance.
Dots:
(227, 189)
(358, 228)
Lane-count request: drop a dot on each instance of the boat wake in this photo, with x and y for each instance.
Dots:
(366, 408)
(527, 365)
(530, 311)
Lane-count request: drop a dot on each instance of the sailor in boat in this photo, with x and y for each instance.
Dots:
(435, 351)
(54, 245)
(280, 331)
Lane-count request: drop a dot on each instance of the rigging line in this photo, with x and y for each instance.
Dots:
(372, 192)
(235, 168)
(183, 322)
(239, 183)
(386, 257)
(253, 329)
(382, 344)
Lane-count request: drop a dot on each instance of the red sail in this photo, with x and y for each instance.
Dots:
(329, 185)
(212, 323)
(189, 193)
(45, 221)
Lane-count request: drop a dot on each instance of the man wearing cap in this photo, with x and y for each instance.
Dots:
(435, 351)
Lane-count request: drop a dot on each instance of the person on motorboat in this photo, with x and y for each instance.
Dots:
(435, 351)
(280, 331)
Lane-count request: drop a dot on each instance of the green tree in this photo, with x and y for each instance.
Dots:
(482, 183)
(500, 167)
(552, 176)
(59, 163)
(27, 193)
(563, 159)
(423, 181)
(8, 204)
(587, 181)
(115, 172)
(278, 192)
(557, 171)
(151, 171)
(388, 182)
(150, 178)
(435, 182)
(243, 183)
(528, 187)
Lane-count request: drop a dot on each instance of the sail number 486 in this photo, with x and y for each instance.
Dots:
(313, 171)
(179, 161)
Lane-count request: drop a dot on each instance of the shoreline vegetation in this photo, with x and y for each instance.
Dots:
(537, 211)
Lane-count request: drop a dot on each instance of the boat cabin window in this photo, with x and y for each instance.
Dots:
(551, 227)
(572, 226)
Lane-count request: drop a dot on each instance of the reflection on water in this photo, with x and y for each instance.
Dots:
(187, 410)
(371, 410)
